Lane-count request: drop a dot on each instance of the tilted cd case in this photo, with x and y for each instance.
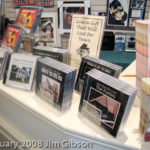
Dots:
(55, 82)
(29, 18)
(58, 54)
(21, 71)
(88, 63)
(106, 101)
(12, 38)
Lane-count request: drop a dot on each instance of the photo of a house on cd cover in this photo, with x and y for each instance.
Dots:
(50, 88)
(108, 106)
(20, 74)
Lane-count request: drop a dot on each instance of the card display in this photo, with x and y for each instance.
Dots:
(12, 38)
(111, 97)
(21, 71)
(88, 63)
(29, 18)
(55, 82)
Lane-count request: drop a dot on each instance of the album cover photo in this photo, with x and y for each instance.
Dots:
(29, 18)
(20, 74)
(12, 37)
(108, 106)
(50, 88)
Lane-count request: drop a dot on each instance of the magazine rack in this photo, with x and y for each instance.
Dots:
(26, 117)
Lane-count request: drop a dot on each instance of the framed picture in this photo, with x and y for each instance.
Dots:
(66, 9)
(122, 14)
(136, 4)
(117, 13)
(48, 31)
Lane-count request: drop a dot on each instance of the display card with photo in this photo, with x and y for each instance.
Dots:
(29, 18)
(85, 38)
(111, 98)
(55, 82)
(21, 71)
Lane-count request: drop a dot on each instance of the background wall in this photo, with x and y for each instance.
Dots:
(96, 6)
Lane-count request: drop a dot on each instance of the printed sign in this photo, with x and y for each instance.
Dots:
(85, 38)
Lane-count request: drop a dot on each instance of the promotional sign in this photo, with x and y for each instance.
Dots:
(85, 38)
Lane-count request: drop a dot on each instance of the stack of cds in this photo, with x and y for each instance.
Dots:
(89, 63)
(142, 52)
(145, 106)
(55, 82)
(106, 101)
(55, 53)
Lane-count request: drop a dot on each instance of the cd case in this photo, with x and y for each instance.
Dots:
(58, 54)
(12, 38)
(21, 71)
(55, 82)
(106, 101)
(88, 63)
(29, 18)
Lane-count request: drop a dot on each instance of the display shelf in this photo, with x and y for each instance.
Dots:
(24, 116)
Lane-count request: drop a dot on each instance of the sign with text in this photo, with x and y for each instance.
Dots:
(85, 38)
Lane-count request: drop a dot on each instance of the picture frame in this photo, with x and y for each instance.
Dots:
(117, 13)
(65, 11)
(48, 31)
(121, 14)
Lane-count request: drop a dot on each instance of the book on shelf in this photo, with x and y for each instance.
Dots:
(88, 63)
(21, 71)
(55, 82)
(106, 101)
(29, 18)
